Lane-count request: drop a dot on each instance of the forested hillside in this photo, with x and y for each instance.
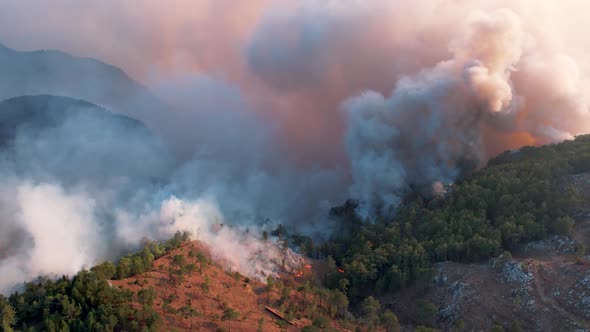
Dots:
(517, 198)
(86, 301)
(520, 196)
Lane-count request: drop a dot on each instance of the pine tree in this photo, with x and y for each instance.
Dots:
(229, 314)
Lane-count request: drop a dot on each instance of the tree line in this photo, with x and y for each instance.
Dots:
(518, 197)
(86, 301)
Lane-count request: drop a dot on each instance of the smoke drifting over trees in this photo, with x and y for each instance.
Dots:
(273, 110)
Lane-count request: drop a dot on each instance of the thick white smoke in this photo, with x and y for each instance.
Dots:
(56, 231)
(238, 247)
(93, 185)
(45, 219)
(278, 110)
(437, 122)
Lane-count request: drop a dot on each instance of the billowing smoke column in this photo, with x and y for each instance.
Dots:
(80, 184)
(431, 128)
(447, 118)
(281, 109)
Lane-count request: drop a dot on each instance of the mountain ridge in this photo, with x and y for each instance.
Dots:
(55, 72)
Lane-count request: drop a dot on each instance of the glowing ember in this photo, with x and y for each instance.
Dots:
(340, 270)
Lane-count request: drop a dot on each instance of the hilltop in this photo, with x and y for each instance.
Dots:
(209, 289)
(173, 286)
(190, 291)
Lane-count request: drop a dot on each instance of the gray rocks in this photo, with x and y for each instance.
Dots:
(579, 297)
(521, 281)
(440, 280)
(459, 293)
(559, 243)
(512, 272)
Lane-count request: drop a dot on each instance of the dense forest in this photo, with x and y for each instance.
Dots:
(518, 197)
(86, 301)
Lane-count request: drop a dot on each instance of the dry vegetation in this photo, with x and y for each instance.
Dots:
(211, 291)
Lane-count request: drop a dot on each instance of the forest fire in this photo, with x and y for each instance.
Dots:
(302, 272)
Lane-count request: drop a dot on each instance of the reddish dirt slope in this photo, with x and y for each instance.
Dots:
(248, 297)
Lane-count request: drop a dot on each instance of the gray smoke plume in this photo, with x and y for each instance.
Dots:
(268, 110)
(438, 123)
(81, 184)
(430, 129)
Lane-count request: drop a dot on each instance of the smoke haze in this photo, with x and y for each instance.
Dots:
(273, 111)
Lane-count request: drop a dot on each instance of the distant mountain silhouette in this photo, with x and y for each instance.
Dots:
(61, 74)
(45, 111)
(74, 139)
